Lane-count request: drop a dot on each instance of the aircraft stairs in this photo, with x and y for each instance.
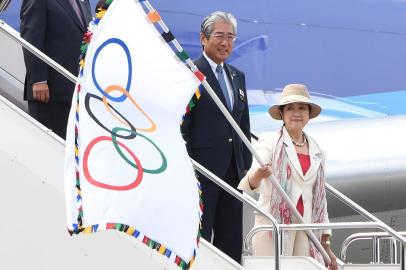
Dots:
(33, 234)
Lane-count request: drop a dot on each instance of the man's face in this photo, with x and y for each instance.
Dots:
(219, 45)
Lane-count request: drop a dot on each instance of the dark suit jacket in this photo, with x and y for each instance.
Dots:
(210, 138)
(53, 27)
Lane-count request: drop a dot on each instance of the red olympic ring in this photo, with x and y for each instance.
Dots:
(96, 183)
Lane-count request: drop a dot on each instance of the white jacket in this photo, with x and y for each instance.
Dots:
(302, 185)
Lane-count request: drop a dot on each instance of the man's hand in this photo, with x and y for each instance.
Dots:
(41, 92)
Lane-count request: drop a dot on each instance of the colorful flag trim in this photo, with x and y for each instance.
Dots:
(180, 52)
(155, 18)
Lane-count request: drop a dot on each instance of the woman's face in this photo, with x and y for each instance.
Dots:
(295, 116)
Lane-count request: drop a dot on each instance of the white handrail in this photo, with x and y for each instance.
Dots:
(375, 236)
(299, 227)
(11, 34)
(364, 212)
(337, 225)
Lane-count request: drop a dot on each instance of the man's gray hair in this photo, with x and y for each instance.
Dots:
(207, 25)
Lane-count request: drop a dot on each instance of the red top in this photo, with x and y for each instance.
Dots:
(305, 164)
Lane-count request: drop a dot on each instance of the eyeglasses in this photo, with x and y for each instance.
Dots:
(223, 36)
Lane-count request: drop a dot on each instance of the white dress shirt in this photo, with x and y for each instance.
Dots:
(213, 66)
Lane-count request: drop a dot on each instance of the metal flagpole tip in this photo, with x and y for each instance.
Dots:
(4, 4)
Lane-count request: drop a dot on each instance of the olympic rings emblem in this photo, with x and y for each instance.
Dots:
(132, 131)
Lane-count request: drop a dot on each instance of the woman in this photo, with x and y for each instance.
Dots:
(297, 163)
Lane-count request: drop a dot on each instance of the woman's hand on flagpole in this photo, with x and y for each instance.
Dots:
(263, 172)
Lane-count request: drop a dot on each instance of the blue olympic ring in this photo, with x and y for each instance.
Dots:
(127, 52)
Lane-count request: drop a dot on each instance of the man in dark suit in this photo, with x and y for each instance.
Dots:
(211, 140)
(56, 28)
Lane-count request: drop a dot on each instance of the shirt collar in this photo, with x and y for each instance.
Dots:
(212, 64)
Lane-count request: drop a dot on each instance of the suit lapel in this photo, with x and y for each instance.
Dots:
(315, 155)
(85, 8)
(211, 79)
(315, 159)
(69, 10)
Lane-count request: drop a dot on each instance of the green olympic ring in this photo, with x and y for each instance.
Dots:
(114, 139)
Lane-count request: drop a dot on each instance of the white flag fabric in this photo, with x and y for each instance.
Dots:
(126, 165)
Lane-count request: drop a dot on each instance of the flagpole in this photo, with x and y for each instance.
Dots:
(228, 116)
(6, 29)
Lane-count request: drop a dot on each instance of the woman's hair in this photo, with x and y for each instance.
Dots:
(207, 25)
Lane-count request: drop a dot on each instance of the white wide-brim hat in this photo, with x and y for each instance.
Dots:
(294, 93)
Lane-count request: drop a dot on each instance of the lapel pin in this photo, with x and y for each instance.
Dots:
(241, 94)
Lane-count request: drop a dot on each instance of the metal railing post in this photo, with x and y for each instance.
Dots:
(393, 251)
(374, 249)
(278, 245)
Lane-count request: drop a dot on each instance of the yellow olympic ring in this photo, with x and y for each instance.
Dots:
(125, 92)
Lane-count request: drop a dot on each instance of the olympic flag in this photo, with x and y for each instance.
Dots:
(126, 165)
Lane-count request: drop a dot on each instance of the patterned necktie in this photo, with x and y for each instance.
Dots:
(75, 7)
(223, 85)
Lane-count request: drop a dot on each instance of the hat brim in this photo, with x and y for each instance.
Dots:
(275, 112)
